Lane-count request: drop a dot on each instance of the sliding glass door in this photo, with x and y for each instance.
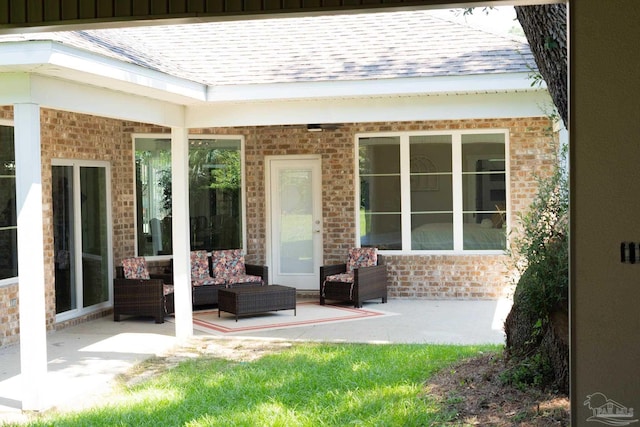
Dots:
(81, 218)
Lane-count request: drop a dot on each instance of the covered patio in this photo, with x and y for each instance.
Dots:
(69, 105)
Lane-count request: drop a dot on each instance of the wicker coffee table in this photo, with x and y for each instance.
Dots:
(247, 300)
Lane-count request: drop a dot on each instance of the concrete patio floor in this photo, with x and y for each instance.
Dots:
(84, 360)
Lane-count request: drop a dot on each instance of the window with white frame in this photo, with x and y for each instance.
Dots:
(215, 194)
(8, 221)
(433, 191)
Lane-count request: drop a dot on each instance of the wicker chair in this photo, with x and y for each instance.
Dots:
(362, 277)
(137, 293)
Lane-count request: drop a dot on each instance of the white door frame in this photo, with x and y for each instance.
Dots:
(317, 214)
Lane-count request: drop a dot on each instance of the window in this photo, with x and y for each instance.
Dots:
(433, 192)
(8, 220)
(215, 196)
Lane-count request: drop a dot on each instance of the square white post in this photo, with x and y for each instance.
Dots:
(33, 337)
(180, 234)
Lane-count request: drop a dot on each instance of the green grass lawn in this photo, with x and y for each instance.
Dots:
(308, 384)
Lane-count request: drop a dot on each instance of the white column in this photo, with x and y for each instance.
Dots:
(33, 338)
(180, 226)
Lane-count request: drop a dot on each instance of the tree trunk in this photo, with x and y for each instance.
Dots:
(555, 346)
(546, 29)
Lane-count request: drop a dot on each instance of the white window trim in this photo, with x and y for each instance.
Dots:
(192, 137)
(405, 197)
(9, 280)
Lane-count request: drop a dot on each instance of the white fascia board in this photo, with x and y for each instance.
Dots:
(477, 83)
(70, 96)
(53, 58)
(372, 109)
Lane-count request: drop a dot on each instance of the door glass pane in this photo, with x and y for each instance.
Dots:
(93, 196)
(296, 221)
(62, 192)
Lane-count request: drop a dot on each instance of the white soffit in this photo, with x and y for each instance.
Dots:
(57, 60)
(414, 86)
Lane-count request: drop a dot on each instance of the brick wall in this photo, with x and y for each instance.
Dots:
(413, 276)
(9, 319)
(75, 136)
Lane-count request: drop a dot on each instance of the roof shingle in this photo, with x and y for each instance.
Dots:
(309, 49)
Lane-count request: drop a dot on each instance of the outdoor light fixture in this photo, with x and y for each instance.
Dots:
(319, 127)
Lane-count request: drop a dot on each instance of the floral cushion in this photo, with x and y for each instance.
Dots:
(200, 270)
(342, 277)
(208, 281)
(135, 268)
(167, 289)
(227, 263)
(243, 278)
(199, 265)
(362, 257)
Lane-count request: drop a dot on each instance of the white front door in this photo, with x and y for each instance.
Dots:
(294, 203)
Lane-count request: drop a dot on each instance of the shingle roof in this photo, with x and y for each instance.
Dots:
(310, 49)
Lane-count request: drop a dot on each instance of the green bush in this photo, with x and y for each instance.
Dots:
(541, 249)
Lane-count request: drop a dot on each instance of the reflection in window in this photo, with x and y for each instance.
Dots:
(433, 191)
(215, 204)
(483, 190)
(380, 192)
(8, 220)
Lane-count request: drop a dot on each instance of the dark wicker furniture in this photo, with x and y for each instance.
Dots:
(207, 295)
(253, 299)
(141, 297)
(368, 283)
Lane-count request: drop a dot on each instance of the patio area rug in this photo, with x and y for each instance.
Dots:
(307, 313)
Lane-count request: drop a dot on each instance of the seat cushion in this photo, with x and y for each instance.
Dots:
(208, 281)
(338, 281)
(135, 268)
(243, 278)
(342, 277)
(362, 257)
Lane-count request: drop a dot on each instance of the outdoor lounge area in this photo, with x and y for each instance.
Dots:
(137, 292)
